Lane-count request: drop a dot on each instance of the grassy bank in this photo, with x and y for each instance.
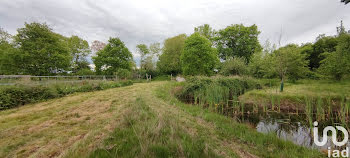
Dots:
(296, 96)
(241, 136)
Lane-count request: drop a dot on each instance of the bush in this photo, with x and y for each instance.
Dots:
(13, 96)
(235, 66)
(124, 73)
(217, 89)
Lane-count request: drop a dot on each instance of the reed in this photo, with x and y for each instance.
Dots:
(320, 109)
(308, 110)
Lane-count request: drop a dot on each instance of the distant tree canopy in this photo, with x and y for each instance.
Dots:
(8, 54)
(143, 50)
(37, 50)
(169, 60)
(113, 57)
(43, 52)
(238, 41)
(314, 51)
(206, 31)
(337, 64)
(198, 56)
(79, 49)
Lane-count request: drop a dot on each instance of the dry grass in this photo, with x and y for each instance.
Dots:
(49, 129)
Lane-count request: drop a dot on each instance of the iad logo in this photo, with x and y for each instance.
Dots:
(333, 153)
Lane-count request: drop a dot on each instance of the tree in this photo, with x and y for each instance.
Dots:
(8, 54)
(238, 41)
(206, 31)
(43, 52)
(97, 45)
(289, 62)
(260, 63)
(4, 36)
(155, 49)
(169, 60)
(341, 29)
(143, 50)
(113, 57)
(337, 64)
(235, 66)
(79, 49)
(315, 51)
(198, 57)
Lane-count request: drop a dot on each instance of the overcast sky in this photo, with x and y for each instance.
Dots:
(148, 21)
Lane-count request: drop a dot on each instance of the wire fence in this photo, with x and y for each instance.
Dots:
(6, 80)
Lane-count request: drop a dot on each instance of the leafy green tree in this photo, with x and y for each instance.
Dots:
(198, 56)
(79, 49)
(169, 60)
(113, 57)
(238, 41)
(289, 62)
(43, 52)
(206, 31)
(235, 66)
(155, 49)
(8, 55)
(323, 44)
(143, 50)
(337, 64)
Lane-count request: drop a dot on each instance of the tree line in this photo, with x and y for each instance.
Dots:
(234, 50)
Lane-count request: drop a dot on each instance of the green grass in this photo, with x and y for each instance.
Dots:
(141, 120)
(264, 145)
(295, 93)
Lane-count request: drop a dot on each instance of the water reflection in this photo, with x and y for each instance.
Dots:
(289, 128)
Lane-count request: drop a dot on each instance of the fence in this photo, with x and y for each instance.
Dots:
(42, 80)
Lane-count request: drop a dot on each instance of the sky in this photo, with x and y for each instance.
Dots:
(149, 21)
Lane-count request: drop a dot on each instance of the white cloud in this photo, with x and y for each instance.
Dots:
(140, 21)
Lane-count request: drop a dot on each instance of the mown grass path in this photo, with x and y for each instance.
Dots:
(142, 120)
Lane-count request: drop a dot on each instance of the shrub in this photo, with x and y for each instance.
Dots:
(217, 89)
(235, 66)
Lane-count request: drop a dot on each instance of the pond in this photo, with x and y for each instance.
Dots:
(290, 127)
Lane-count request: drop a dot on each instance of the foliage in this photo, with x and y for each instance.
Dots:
(97, 45)
(113, 57)
(8, 57)
(258, 65)
(238, 41)
(79, 49)
(337, 64)
(85, 71)
(216, 90)
(155, 49)
(143, 50)
(235, 66)
(124, 73)
(169, 60)
(13, 96)
(198, 57)
(315, 51)
(289, 62)
(206, 31)
(43, 52)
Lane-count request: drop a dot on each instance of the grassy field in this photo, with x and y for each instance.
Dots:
(294, 94)
(142, 120)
